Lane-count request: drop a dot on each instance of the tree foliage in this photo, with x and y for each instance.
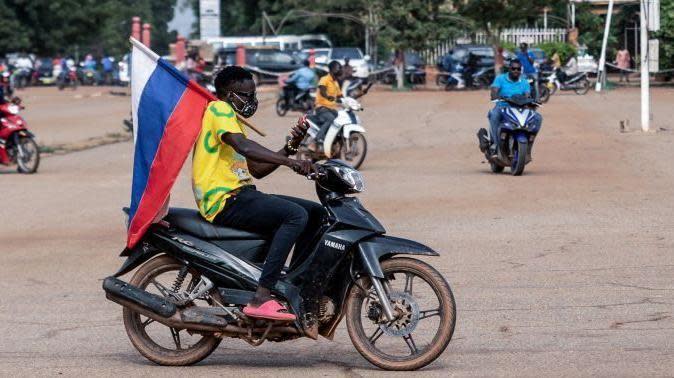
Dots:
(48, 27)
(666, 34)
(492, 16)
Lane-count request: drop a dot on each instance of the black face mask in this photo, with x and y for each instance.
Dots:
(249, 107)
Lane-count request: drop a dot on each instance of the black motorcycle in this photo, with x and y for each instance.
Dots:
(196, 278)
(297, 100)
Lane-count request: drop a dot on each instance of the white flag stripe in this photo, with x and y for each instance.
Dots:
(142, 66)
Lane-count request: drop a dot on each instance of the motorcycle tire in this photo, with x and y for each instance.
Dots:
(495, 168)
(281, 108)
(360, 142)
(582, 87)
(33, 163)
(519, 158)
(543, 93)
(136, 329)
(552, 88)
(446, 311)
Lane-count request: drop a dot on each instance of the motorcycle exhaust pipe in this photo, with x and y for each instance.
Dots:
(193, 318)
(158, 308)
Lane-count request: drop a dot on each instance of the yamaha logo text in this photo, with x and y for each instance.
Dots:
(335, 245)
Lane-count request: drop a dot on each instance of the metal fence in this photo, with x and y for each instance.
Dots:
(530, 35)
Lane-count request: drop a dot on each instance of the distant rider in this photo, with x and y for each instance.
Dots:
(299, 81)
(526, 59)
(506, 85)
(327, 99)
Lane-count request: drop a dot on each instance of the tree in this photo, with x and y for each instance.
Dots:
(492, 16)
(48, 27)
(666, 34)
(412, 25)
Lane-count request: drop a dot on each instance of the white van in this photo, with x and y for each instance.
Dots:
(281, 42)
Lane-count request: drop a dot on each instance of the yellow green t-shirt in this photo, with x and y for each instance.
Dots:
(216, 168)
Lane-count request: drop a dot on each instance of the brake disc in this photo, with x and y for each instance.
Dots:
(407, 306)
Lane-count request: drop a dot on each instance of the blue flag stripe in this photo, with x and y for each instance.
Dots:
(158, 100)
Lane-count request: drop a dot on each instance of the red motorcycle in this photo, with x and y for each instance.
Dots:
(17, 144)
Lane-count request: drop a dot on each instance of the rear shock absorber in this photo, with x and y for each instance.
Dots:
(179, 279)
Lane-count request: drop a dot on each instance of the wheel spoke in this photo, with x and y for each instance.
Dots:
(377, 334)
(162, 289)
(176, 337)
(408, 282)
(428, 313)
(410, 343)
(147, 322)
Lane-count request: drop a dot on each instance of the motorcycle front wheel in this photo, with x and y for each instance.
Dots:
(519, 160)
(281, 108)
(583, 87)
(27, 156)
(155, 341)
(356, 150)
(425, 316)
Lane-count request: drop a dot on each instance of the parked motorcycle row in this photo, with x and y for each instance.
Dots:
(27, 70)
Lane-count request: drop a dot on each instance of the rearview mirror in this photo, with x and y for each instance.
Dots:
(367, 58)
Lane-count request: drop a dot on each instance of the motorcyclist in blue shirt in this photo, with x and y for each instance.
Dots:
(299, 81)
(506, 85)
(526, 58)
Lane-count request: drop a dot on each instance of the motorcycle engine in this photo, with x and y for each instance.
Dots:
(326, 310)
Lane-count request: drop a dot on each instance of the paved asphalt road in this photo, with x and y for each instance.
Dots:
(565, 271)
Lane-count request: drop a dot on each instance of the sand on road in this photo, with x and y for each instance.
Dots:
(567, 270)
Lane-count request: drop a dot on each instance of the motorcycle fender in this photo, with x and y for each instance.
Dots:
(135, 257)
(25, 133)
(373, 249)
(348, 129)
(522, 137)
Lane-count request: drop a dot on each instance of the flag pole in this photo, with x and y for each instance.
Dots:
(154, 55)
(252, 127)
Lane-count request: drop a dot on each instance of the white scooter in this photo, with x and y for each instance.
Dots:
(344, 140)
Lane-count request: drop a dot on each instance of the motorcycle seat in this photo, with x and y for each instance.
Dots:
(314, 119)
(190, 221)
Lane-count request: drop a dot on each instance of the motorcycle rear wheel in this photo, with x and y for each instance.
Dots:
(149, 345)
(543, 93)
(30, 161)
(420, 355)
(495, 167)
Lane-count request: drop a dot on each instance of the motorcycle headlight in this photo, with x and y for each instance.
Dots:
(13, 109)
(351, 177)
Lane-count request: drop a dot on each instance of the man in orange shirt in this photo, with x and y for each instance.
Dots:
(328, 96)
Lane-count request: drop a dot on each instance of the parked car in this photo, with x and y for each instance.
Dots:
(459, 55)
(415, 69)
(264, 60)
(321, 56)
(357, 60)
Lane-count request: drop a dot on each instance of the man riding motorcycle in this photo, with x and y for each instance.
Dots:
(506, 85)
(225, 162)
(327, 99)
(299, 81)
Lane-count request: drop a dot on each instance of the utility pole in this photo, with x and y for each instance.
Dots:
(601, 76)
(645, 85)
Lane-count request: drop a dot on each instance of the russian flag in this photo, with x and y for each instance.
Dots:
(167, 109)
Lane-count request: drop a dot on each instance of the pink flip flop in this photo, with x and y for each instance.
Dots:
(271, 310)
